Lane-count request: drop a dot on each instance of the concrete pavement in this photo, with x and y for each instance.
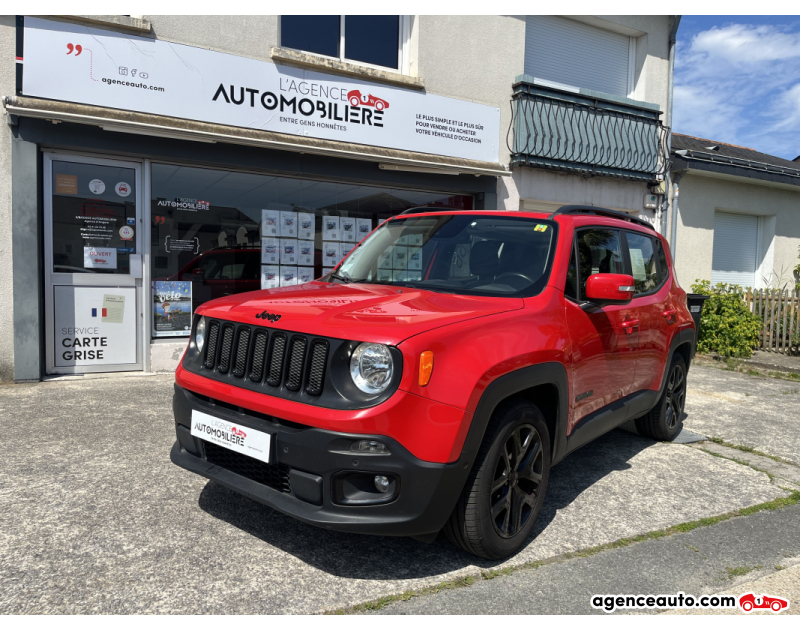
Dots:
(95, 518)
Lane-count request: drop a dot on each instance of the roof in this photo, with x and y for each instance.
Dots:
(731, 159)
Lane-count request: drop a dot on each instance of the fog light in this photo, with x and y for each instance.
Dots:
(370, 446)
(381, 483)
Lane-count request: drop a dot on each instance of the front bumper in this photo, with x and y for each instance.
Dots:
(306, 465)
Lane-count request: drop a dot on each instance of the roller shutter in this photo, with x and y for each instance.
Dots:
(735, 249)
(565, 51)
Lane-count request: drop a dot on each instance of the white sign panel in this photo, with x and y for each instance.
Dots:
(94, 326)
(81, 64)
(100, 257)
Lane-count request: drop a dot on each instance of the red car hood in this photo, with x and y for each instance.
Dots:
(361, 312)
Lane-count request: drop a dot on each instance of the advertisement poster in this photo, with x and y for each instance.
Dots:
(270, 251)
(364, 227)
(330, 228)
(154, 76)
(172, 309)
(347, 228)
(288, 276)
(288, 224)
(330, 254)
(305, 225)
(305, 274)
(288, 251)
(305, 253)
(270, 276)
(270, 222)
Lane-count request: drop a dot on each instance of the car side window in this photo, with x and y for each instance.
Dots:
(644, 267)
(663, 267)
(599, 251)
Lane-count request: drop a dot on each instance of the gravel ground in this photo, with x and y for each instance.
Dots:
(94, 517)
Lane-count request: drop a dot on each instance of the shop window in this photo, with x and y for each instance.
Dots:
(369, 39)
(224, 232)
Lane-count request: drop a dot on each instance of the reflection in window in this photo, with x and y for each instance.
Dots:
(228, 232)
(644, 268)
(598, 252)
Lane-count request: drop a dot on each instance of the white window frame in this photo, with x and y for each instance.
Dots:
(403, 47)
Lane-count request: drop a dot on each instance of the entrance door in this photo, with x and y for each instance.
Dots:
(93, 265)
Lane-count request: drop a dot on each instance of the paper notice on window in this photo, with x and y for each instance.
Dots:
(305, 225)
(305, 274)
(113, 309)
(270, 222)
(270, 276)
(364, 228)
(637, 265)
(288, 224)
(330, 228)
(331, 254)
(270, 251)
(347, 229)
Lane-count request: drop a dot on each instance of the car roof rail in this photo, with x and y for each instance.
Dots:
(420, 209)
(603, 212)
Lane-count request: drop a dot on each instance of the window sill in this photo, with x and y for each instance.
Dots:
(116, 22)
(315, 62)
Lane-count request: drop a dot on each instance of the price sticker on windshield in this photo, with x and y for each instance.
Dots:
(540, 228)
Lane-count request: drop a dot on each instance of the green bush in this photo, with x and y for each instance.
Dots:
(726, 325)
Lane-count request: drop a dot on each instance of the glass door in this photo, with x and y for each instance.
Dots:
(93, 264)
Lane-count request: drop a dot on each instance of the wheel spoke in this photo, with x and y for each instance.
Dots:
(500, 481)
(498, 507)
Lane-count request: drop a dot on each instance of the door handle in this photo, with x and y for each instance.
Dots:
(669, 315)
(629, 324)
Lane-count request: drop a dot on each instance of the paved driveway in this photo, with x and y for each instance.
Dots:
(95, 518)
(755, 411)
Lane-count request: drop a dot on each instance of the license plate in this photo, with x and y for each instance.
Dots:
(232, 436)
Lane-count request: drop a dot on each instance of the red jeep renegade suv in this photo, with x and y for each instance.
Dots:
(437, 374)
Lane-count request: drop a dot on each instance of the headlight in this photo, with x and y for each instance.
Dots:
(371, 367)
(200, 334)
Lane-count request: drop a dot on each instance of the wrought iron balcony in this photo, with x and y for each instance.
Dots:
(585, 132)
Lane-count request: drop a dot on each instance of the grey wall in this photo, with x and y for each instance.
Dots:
(7, 87)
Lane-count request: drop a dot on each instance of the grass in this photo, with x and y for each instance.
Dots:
(748, 449)
(775, 504)
(733, 572)
(737, 365)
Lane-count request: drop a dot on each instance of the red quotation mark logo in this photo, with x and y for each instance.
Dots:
(77, 48)
(160, 220)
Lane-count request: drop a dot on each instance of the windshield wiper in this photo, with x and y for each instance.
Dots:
(339, 276)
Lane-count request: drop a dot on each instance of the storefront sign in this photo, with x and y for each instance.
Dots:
(157, 77)
(94, 326)
(172, 309)
(99, 258)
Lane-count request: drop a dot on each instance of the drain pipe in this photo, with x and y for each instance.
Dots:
(673, 245)
(673, 37)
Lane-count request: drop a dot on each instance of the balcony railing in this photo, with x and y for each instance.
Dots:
(586, 133)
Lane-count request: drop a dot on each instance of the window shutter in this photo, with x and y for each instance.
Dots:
(565, 51)
(735, 246)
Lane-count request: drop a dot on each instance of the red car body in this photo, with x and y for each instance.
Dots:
(357, 99)
(749, 602)
(589, 370)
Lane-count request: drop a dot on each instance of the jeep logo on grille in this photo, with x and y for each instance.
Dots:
(269, 316)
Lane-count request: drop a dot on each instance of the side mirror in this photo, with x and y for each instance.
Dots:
(610, 288)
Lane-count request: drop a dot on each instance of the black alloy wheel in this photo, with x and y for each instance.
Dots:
(505, 490)
(665, 420)
(516, 482)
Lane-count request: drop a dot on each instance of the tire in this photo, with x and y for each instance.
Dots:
(664, 421)
(516, 440)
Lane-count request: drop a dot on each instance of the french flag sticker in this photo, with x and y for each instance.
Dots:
(104, 314)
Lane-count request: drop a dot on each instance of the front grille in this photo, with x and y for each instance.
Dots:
(276, 476)
(288, 362)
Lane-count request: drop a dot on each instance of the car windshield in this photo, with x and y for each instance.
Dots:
(456, 253)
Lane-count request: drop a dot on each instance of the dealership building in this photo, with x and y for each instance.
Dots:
(151, 163)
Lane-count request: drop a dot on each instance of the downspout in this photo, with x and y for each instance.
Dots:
(673, 245)
(673, 37)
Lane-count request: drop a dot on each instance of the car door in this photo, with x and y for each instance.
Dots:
(651, 297)
(604, 340)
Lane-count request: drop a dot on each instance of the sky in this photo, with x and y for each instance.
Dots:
(737, 80)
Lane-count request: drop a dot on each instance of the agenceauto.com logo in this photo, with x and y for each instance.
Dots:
(747, 602)
(144, 86)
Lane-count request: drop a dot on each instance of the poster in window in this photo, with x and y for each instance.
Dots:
(172, 309)
(289, 251)
(305, 274)
(415, 258)
(330, 228)
(288, 224)
(270, 276)
(384, 275)
(270, 223)
(347, 229)
(330, 254)
(326, 270)
(400, 257)
(305, 253)
(364, 227)
(415, 240)
(305, 225)
(270, 251)
(406, 275)
(385, 259)
(288, 276)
